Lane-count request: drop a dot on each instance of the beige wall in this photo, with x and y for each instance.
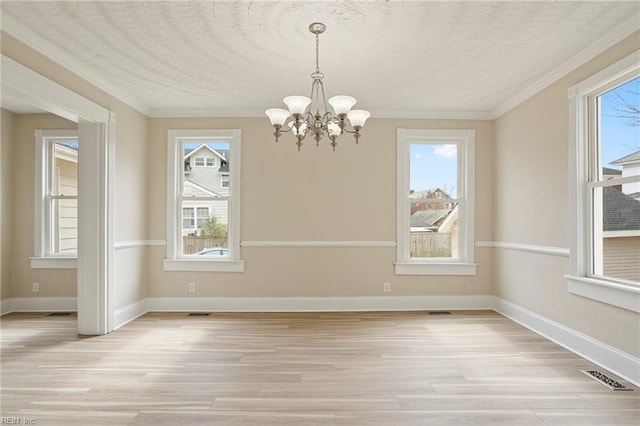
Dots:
(521, 196)
(58, 282)
(6, 194)
(532, 207)
(131, 213)
(317, 195)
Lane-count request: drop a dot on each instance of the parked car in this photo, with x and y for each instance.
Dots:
(217, 251)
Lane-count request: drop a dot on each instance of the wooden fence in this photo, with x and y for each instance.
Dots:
(430, 244)
(192, 244)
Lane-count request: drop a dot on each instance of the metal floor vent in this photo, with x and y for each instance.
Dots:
(439, 313)
(198, 314)
(60, 314)
(606, 380)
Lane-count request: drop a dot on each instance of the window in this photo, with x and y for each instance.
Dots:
(203, 210)
(56, 199)
(193, 218)
(605, 183)
(205, 162)
(435, 202)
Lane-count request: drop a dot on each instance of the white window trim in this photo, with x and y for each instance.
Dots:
(174, 262)
(465, 140)
(622, 294)
(42, 259)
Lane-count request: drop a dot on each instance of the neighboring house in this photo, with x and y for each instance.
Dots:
(621, 235)
(630, 167)
(206, 174)
(432, 194)
(434, 230)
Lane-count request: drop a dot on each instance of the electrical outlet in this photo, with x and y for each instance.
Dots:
(35, 287)
(192, 287)
(387, 287)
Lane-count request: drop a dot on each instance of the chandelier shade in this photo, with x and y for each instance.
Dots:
(323, 122)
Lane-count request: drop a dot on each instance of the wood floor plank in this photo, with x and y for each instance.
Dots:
(351, 368)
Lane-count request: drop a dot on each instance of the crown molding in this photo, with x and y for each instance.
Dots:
(14, 28)
(621, 32)
(422, 115)
(47, 49)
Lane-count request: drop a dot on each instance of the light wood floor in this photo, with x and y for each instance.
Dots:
(400, 368)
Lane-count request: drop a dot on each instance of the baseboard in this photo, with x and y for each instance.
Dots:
(317, 304)
(43, 304)
(6, 306)
(129, 313)
(620, 363)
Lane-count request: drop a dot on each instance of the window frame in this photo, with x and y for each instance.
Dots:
(583, 173)
(465, 263)
(44, 168)
(175, 261)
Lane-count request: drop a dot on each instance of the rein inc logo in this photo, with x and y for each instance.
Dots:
(16, 421)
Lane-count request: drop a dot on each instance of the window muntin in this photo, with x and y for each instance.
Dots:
(199, 189)
(435, 202)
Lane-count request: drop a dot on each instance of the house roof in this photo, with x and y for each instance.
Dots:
(621, 211)
(202, 188)
(221, 153)
(428, 218)
(611, 172)
(634, 157)
(428, 194)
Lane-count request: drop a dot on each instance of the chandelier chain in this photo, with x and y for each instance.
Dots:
(317, 53)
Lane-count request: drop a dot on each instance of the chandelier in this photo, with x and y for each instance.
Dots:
(304, 122)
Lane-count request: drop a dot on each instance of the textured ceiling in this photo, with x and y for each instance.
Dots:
(242, 57)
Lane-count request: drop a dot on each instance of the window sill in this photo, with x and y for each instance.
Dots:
(443, 268)
(626, 296)
(54, 262)
(203, 265)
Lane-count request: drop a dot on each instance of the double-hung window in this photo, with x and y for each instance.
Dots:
(435, 206)
(605, 185)
(203, 202)
(56, 199)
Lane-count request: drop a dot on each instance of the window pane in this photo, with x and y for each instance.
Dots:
(433, 199)
(209, 181)
(620, 133)
(64, 226)
(212, 231)
(616, 234)
(188, 222)
(65, 168)
(616, 209)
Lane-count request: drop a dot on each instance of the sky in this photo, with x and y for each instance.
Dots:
(434, 166)
(619, 138)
